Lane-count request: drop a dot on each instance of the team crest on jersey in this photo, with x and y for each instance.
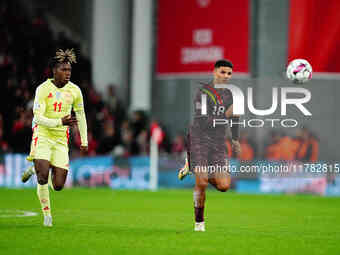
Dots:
(58, 95)
(50, 95)
(68, 97)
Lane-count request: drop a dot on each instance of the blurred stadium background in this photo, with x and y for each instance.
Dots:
(138, 62)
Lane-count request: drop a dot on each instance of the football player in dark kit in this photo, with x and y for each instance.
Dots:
(207, 152)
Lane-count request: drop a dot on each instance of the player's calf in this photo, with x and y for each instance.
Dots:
(59, 178)
(57, 183)
(221, 182)
(42, 168)
(57, 187)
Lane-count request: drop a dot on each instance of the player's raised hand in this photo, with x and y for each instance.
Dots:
(69, 120)
(236, 147)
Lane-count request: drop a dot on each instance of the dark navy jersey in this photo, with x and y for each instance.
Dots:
(213, 105)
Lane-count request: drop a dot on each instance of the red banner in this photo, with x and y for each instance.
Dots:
(314, 33)
(193, 34)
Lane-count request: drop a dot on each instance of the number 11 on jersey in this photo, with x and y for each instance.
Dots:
(59, 106)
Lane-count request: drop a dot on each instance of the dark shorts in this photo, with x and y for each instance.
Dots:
(207, 152)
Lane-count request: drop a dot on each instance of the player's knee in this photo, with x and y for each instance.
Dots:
(223, 187)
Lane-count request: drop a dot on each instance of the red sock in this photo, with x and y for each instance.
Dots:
(199, 214)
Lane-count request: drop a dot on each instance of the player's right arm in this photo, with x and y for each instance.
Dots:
(39, 110)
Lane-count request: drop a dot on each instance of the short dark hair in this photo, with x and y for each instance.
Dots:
(223, 62)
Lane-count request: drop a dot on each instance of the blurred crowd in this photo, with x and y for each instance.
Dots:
(303, 146)
(26, 45)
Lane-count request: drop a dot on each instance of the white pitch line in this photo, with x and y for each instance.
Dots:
(16, 213)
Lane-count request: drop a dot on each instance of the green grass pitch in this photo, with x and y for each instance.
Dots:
(104, 221)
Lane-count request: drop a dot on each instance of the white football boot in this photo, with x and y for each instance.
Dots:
(200, 226)
(48, 221)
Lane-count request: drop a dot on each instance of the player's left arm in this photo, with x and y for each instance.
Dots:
(235, 133)
(78, 107)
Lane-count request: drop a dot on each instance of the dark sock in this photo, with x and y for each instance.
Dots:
(199, 214)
